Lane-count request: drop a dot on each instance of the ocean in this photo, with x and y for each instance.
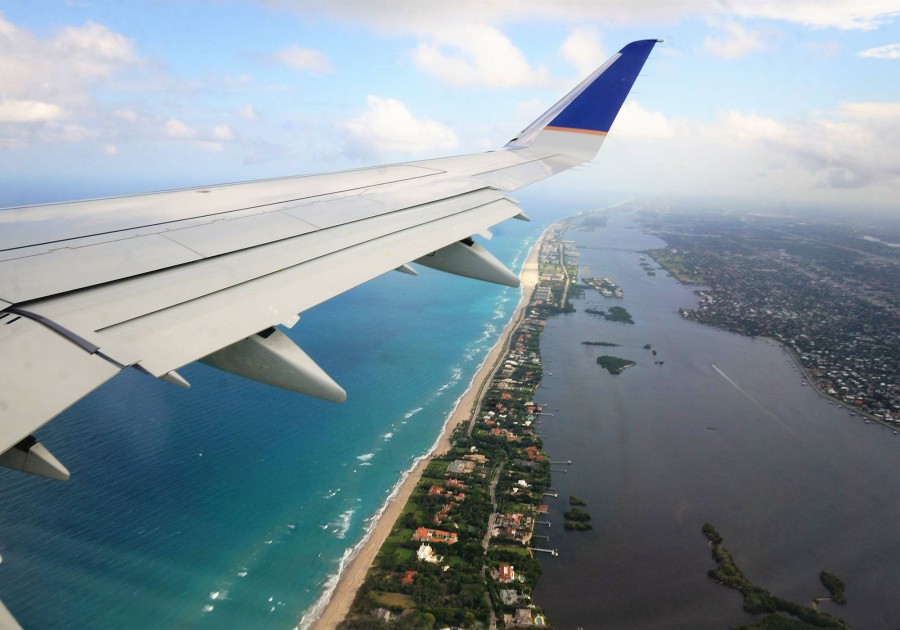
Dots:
(234, 504)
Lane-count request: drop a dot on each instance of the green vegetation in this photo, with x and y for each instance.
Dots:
(647, 346)
(758, 600)
(619, 314)
(678, 265)
(614, 365)
(573, 500)
(577, 520)
(835, 587)
(601, 343)
(595, 311)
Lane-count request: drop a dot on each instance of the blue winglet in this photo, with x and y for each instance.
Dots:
(592, 106)
(595, 109)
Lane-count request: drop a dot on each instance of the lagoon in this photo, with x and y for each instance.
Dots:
(722, 432)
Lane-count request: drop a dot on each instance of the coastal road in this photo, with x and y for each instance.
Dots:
(487, 538)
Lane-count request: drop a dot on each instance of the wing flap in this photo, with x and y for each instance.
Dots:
(41, 374)
(167, 339)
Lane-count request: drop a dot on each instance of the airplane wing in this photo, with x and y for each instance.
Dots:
(156, 281)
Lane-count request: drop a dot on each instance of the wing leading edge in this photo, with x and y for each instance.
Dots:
(157, 281)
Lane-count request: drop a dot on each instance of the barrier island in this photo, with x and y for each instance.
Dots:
(460, 552)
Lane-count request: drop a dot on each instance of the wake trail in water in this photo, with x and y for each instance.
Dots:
(753, 400)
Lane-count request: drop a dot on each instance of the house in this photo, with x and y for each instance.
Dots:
(423, 534)
(523, 617)
(384, 615)
(510, 596)
(506, 573)
(460, 467)
(426, 554)
(408, 578)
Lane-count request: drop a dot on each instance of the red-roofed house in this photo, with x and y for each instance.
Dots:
(408, 578)
(423, 534)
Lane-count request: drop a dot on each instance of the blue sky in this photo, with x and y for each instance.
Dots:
(754, 105)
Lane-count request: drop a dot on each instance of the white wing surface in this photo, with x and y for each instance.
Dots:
(157, 281)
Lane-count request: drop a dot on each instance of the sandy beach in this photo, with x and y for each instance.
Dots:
(354, 574)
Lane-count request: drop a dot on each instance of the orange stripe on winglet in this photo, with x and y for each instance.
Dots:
(573, 130)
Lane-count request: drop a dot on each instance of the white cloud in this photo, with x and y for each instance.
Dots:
(582, 49)
(178, 130)
(388, 127)
(890, 51)
(428, 18)
(126, 115)
(853, 146)
(636, 122)
(248, 113)
(736, 41)
(93, 51)
(19, 111)
(222, 133)
(303, 59)
(47, 79)
(479, 55)
(110, 149)
(847, 153)
(841, 14)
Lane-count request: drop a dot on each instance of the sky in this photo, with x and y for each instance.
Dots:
(754, 105)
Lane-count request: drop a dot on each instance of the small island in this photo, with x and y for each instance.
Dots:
(614, 365)
(577, 520)
(619, 314)
(600, 343)
(573, 500)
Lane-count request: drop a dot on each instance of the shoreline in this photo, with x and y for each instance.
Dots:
(351, 575)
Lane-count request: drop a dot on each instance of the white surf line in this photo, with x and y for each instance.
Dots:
(753, 400)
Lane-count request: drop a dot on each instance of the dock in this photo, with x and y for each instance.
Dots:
(552, 552)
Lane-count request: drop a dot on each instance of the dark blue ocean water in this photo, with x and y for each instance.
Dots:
(233, 504)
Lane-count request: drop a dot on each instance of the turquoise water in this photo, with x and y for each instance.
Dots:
(233, 504)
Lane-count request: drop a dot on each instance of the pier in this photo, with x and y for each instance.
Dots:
(551, 492)
(566, 463)
(552, 552)
(547, 523)
(560, 470)
(540, 536)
